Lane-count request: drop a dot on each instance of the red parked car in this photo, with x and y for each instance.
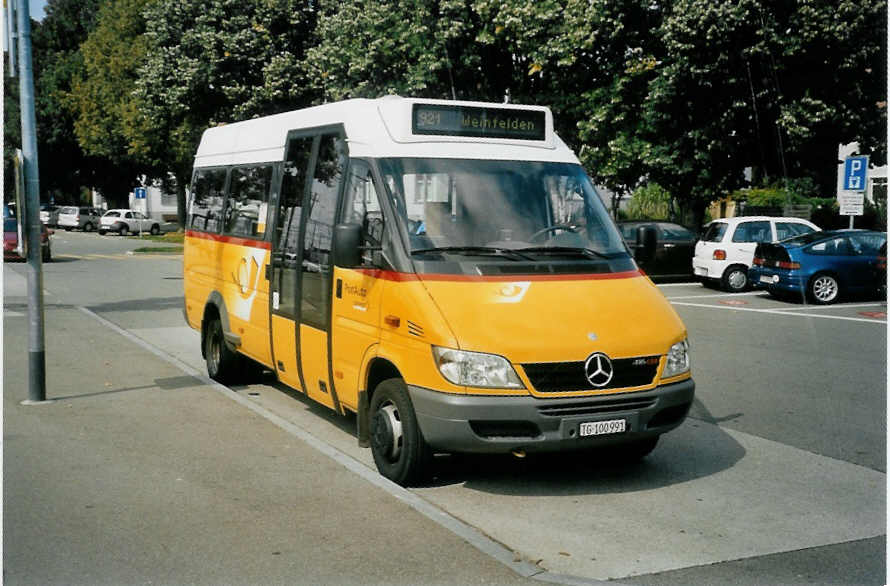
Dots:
(11, 238)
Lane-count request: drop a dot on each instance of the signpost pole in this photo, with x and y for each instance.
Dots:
(33, 229)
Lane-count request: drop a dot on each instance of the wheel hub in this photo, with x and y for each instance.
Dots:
(824, 289)
(387, 437)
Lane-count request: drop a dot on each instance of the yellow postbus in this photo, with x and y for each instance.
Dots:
(444, 270)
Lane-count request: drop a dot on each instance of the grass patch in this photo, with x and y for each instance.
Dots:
(168, 238)
(158, 250)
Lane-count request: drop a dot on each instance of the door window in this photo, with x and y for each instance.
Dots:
(363, 207)
(752, 232)
(287, 228)
(316, 279)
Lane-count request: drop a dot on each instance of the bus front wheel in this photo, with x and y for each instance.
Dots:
(399, 450)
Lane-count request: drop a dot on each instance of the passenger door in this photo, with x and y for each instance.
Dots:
(315, 268)
(357, 291)
(745, 239)
(283, 273)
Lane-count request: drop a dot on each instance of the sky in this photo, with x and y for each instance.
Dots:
(37, 7)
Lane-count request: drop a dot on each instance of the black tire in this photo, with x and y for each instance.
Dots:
(399, 450)
(735, 279)
(222, 362)
(88, 227)
(823, 289)
(102, 232)
(155, 230)
(67, 228)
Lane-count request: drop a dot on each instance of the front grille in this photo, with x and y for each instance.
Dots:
(562, 377)
(596, 407)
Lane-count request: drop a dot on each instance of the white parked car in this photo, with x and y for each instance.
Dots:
(726, 249)
(126, 221)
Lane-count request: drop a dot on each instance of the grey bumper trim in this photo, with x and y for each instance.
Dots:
(486, 424)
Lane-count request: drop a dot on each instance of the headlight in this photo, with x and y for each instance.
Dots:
(677, 360)
(474, 369)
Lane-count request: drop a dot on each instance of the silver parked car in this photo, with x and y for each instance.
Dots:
(81, 218)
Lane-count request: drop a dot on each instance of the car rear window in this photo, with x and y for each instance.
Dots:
(715, 232)
(68, 210)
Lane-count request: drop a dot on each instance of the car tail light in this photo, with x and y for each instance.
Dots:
(882, 262)
(758, 261)
(719, 254)
(788, 265)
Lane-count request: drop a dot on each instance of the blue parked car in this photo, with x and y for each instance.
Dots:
(823, 266)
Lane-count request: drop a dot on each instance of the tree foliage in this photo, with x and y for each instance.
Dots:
(215, 61)
(686, 94)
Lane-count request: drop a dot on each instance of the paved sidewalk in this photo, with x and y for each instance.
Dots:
(138, 473)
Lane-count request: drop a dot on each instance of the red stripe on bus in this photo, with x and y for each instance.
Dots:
(229, 239)
(400, 277)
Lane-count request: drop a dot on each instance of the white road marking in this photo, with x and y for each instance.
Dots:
(750, 294)
(780, 312)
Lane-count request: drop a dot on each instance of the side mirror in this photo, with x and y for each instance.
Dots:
(346, 249)
(646, 241)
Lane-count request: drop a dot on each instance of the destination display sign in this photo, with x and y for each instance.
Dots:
(445, 120)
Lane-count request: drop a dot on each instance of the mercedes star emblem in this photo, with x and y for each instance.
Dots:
(598, 369)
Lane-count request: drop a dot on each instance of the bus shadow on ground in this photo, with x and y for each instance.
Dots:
(697, 449)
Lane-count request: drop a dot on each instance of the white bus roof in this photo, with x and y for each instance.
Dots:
(394, 127)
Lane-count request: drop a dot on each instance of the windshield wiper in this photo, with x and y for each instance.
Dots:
(588, 252)
(481, 250)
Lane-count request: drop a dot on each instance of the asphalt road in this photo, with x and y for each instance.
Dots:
(778, 476)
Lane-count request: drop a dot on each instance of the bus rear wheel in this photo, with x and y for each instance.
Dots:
(222, 363)
(400, 452)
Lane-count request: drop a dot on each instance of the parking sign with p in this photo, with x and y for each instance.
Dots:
(855, 173)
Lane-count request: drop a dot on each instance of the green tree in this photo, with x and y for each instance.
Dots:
(215, 61)
(55, 60)
(101, 96)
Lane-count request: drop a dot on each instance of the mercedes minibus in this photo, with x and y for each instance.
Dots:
(444, 270)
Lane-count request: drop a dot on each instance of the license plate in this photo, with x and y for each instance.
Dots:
(602, 427)
(765, 279)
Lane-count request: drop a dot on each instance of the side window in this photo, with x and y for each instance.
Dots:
(248, 200)
(788, 229)
(208, 188)
(837, 246)
(362, 206)
(676, 233)
(752, 232)
(316, 287)
(866, 243)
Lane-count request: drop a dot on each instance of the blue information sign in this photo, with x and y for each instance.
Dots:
(139, 193)
(855, 173)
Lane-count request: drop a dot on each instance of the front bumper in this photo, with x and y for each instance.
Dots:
(483, 424)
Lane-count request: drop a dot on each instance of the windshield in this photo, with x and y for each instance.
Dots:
(518, 209)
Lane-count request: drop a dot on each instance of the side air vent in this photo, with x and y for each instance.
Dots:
(414, 329)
